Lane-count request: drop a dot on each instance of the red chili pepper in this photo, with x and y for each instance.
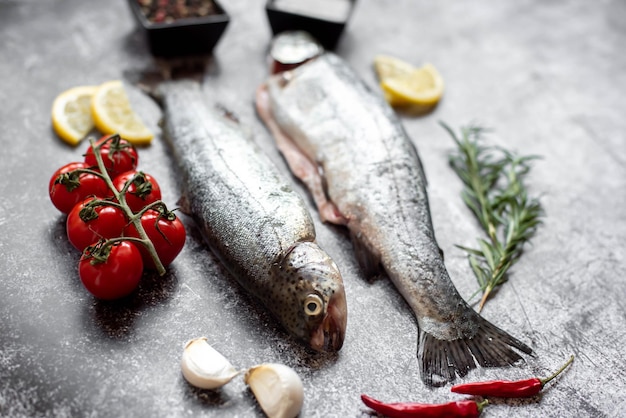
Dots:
(508, 388)
(465, 409)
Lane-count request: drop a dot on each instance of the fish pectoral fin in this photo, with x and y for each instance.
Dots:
(369, 263)
(441, 360)
(303, 167)
(183, 205)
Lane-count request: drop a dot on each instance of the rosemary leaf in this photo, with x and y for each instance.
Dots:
(487, 251)
(495, 192)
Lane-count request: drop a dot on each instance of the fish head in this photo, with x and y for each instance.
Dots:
(314, 305)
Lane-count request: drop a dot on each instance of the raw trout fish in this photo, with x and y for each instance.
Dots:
(252, 219)
(349, 148)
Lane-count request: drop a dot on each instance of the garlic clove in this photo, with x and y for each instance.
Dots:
(204, 367)
(277, 388)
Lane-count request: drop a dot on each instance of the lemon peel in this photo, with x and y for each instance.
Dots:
(406, 85)
(112, 113)
(387, 67)
(71, 114)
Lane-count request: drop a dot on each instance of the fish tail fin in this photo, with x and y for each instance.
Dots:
(441, 360)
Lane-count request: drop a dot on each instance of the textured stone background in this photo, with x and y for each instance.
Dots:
(549, 79)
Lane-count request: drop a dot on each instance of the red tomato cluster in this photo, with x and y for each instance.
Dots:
(98, 218)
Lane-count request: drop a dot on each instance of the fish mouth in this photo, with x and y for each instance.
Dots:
(330, 333)
(290, 49)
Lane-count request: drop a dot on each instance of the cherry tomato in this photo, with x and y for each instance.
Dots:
(118, 155)
(167, 236)
(143, 191)
(67, 188)
(106, 222)
(114, 278)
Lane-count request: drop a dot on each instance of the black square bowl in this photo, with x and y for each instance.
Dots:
(188, 36)
(327, 30)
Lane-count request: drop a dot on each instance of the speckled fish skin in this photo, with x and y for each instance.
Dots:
(252, 219)
(372, 181)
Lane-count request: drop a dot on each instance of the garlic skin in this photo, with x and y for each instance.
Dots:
(277, 388)
(204, 367)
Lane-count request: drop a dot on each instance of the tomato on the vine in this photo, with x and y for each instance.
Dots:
(142, 191)
(104, 221)
(68, 187)
(118, 155)
(113, 276)
(166, 232)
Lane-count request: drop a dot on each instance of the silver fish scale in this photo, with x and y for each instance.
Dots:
(379, 185)
(223, 165)
(252, 219)
(374, 177)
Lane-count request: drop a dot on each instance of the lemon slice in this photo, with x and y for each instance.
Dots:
(421, 87)
(112, 113)
(387, 67)
(71, 114)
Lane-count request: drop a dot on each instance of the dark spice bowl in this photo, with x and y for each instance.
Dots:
(325, 20)
(185, 35)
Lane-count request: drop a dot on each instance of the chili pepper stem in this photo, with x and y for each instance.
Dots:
(482, 405)
(558, 372)
(121, 197)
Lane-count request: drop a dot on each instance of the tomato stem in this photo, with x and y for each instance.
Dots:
(71, 179)
(92, 204)
(113, 241)
(159, 206)
(88, 171)
(99, 252)
(138, 175)
(121, 198)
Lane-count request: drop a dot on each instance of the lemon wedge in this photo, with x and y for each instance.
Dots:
(421, 87)
(388, 67)
(71, 114)
(112, 113)
(406, 85)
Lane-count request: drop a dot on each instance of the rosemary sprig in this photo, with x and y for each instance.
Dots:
(497, 196)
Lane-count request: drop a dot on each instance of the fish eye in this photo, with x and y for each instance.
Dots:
(313, 305)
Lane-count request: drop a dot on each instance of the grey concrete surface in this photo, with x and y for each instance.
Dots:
(548, 77)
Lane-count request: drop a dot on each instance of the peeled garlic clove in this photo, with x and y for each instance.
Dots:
(277, 388)
(204, 367)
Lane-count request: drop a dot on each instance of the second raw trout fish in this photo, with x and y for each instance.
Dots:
(348, 146)
(251, 218)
